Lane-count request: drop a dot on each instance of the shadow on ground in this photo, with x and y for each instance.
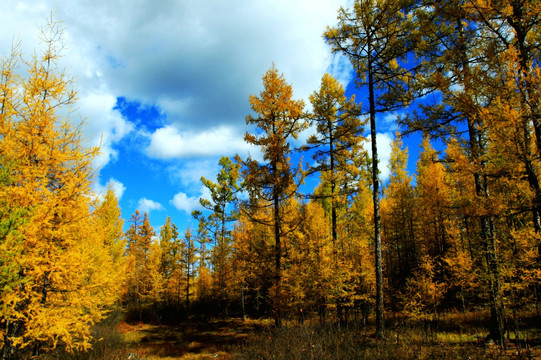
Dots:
(193, 339)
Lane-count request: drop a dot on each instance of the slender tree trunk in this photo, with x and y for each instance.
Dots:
(222, 275)
(7, 349)
(462, 300)
(277, 264)
(44, 293)
(375, 197)
(333, 190)
(496, 307)
(477, 144)
(277, 249)
(188, 288)
(496, 327)
(242, 301)
(530, 110)
(530, 102)
(179, 285)
(536, 293)
(528, 90)
(334, 226)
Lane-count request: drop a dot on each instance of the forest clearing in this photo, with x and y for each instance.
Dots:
(299, 250)
(453, 336)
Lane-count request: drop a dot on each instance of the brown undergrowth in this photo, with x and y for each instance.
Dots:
(330, 342)
(451, 336)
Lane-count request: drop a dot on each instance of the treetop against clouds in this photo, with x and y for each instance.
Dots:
(164, 86)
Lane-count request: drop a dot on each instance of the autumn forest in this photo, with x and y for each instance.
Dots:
(461, 235)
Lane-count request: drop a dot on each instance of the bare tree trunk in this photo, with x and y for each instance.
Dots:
(375, 197)
(277, 264)
(188, 288)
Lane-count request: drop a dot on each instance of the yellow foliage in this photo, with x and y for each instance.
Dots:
(66, 270)
(423, 293)
(145, 280)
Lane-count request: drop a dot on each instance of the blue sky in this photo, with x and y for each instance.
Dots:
(164, 85)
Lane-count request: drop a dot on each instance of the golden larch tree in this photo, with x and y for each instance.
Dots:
(373, 34)
(279, 119)
(64, 271)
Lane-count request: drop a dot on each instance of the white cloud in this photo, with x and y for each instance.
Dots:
(118, 188)
(103, 125)
(170, 143)
(189, 173)
(383, 142)
(388, 122)
(182, 202)
(342, 70)
(303, 136)
(147, 205)
(197, 60)
(79, 60)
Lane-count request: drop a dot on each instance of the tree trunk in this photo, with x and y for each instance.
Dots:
(242, 301)
(334, 227)
(477, 144)
(44, 293)
(489, 243)
(277, 264)
(375, 197)
(188, 289)
(7, 348)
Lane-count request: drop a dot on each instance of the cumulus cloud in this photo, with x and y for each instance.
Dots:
(79, 61)
(206, 77)
(197, 60)
(147, 205)
(118, 188)
(188, 173)
(104, 126)
(169, 143)
(389, 121)
(182, 202)
(384, 143)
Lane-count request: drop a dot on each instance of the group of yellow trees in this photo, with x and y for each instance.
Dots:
(463, 232)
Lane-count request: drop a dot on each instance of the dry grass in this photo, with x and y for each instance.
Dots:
(329, 343)
(453, 336)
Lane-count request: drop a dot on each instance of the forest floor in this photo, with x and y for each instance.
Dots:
(456, 337)
(189, 340)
